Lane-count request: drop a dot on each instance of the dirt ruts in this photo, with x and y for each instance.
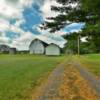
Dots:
(49, 90)
(68, 81)
(93, 81)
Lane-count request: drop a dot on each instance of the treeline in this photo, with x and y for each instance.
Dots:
(87, 46)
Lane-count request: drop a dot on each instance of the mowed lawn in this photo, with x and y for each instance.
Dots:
(92, 62)
(19, 74)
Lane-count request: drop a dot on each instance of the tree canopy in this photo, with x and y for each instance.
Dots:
(87, 11)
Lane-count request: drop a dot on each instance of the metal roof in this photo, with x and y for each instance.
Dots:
(52, 38)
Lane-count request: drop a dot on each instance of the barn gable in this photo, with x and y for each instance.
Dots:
(53, 49)
(37, 47)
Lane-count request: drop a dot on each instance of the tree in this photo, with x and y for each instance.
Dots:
(87, 11)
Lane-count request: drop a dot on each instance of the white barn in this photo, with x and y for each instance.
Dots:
(37, 47)
(47, 44)
(53, 50)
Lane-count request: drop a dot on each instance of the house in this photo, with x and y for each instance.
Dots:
(47, 44)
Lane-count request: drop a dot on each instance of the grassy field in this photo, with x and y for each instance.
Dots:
(92, 62)
(20, 73)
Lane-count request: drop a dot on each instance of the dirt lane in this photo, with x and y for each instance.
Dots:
(65, 83)
(75, 87)
(49, 89)
(93, 81)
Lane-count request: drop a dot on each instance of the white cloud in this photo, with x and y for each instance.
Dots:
(23, 42)
(46, 8)
(13, 8)
(4, 40)
(26, 3)
(16, 29)
(8, 11)
(4, 25)
(61, 32)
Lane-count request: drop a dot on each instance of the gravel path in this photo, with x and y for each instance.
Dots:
(95, 83)
(49, 90)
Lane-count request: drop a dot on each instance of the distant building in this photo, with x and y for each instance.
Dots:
(12, 51)
(6, 49)
(47, 46)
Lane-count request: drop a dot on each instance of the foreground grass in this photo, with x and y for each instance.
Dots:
(92, 62)
(20, 73)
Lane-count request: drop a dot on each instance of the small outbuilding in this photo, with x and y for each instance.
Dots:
(12, 51)
(53, 50)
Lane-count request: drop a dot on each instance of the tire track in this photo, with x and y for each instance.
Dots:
(50, 90)
(94, 82)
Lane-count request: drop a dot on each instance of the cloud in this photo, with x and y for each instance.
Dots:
(9, 10)
(46, 8)
(23, 42)
(12, 10)
(4, 25)
(19, 21)
(4, 40)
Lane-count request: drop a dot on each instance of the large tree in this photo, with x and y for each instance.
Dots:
(87, 11)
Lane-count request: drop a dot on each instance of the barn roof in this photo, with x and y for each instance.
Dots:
(52, 38)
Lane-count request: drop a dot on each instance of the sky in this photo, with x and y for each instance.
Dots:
(19, 21)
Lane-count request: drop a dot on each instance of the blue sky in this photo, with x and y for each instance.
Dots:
(19, 24)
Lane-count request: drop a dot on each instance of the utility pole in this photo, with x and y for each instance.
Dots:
(78, 40)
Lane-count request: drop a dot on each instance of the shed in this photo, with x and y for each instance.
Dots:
(53, 50)
(12, 51)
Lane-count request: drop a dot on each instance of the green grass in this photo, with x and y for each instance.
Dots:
(19, 74)
(92, 62)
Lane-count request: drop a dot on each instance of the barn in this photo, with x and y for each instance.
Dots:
(53, 49)
(47, 44)
(37, 47)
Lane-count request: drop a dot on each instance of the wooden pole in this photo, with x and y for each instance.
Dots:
(78, 44)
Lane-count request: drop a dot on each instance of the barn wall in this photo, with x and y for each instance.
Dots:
(52, 50)
(37, 47)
